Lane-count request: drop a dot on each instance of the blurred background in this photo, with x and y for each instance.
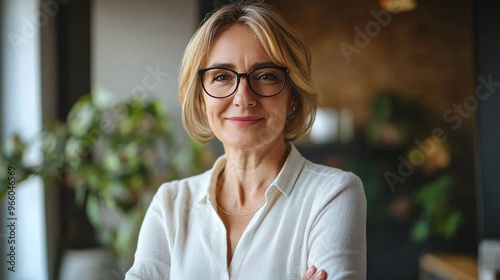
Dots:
(90, 126)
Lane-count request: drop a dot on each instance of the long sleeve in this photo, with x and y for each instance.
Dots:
(337, 241)
(152, 257)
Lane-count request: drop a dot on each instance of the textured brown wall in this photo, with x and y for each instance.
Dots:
(425, 53)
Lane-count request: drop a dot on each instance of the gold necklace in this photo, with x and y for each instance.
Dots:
(240, 215)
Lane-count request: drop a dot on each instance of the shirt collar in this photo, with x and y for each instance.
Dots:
(208, 191)
(285, 181)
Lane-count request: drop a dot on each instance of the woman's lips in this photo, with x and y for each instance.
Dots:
(244, 121)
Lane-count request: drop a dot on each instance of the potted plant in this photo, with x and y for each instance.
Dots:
(115, 156)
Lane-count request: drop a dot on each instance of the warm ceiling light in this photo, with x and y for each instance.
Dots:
(397, 6)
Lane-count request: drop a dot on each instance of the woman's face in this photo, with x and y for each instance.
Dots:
(245, 120)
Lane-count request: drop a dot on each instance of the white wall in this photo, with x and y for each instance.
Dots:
(132, 38)
(22, 113)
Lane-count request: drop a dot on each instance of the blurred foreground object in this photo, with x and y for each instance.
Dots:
(489, 259)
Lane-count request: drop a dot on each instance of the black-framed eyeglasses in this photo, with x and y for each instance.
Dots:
(264, 81)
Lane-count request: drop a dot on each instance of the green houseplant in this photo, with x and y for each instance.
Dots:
(421, 198)
(115, 156)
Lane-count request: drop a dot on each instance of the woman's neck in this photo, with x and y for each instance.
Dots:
(248, 173)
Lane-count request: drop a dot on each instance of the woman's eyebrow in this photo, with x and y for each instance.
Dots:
(222, 65)
(232, 66)
(263, 64)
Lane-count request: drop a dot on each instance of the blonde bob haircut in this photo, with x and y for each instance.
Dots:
(282, 44)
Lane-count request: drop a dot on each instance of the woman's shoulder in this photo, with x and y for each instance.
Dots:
(185, 187)
(323, 172)
(329, 181)
(318, 173)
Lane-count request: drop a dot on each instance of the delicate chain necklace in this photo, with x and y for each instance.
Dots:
(240, 215)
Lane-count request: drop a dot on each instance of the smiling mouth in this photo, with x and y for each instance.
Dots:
(244, 121)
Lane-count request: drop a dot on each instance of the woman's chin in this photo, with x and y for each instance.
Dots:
(248, 143)
(242, 144)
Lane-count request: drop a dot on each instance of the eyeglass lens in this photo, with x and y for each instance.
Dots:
(222, 82)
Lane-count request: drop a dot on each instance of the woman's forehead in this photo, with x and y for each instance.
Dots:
(236, 46)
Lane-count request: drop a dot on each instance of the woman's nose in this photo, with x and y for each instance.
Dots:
(244, 96)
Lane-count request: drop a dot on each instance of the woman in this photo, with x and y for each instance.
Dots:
(262, 211)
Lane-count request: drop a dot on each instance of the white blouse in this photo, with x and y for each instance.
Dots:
(314, 215)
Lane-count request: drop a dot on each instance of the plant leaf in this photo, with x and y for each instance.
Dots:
(93, 210)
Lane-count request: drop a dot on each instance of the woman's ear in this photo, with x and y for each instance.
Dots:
(292, 108)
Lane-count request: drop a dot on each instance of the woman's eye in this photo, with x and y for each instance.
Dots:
(222, 77)
(267, 76)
